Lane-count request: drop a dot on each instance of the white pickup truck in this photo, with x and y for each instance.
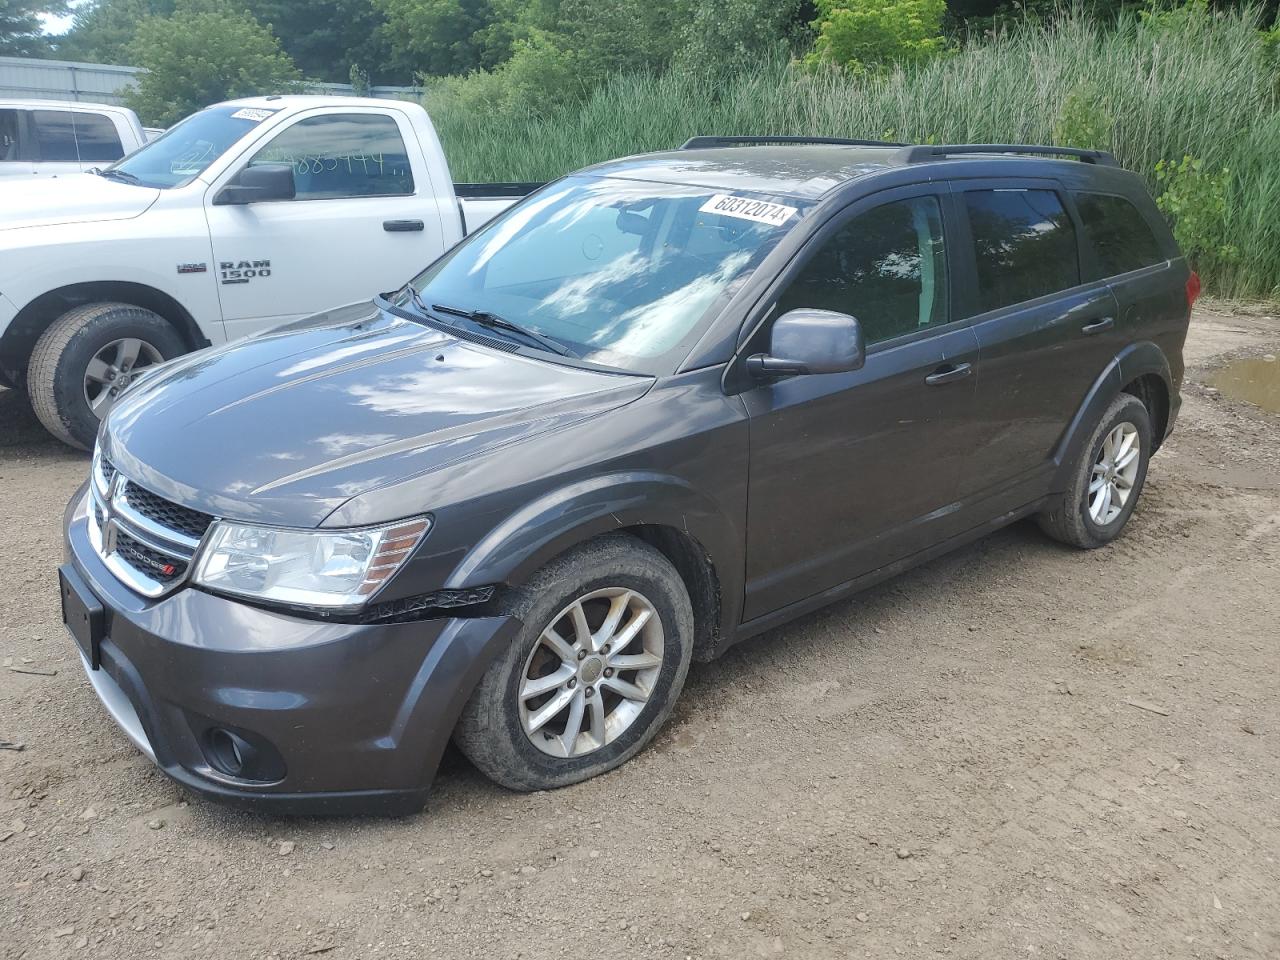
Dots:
(51, 137)
(244, 216)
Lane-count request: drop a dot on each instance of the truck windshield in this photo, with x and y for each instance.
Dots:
(623, 273)
(182, 152)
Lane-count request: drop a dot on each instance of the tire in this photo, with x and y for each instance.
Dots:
(60, 363)
(1071, 518)
(492, 728)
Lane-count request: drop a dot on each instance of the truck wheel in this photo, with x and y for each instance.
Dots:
(1107, 479)
(86, 358)
(592, 674)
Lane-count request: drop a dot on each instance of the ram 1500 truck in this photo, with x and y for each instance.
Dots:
(52, 137)
(246, 215)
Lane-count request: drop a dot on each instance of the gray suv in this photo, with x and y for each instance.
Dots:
(662, 405)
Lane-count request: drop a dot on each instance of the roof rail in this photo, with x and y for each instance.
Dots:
(703, 143)
(923, 153)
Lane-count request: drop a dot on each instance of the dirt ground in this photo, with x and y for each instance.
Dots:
(1017, 751)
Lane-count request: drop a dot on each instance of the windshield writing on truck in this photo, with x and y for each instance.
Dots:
(185, 151)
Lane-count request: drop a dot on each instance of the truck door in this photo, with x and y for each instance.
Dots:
(363, 221)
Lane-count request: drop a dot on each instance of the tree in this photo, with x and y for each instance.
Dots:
(21, 32)
(440, 37)
(103, 31)
(326, 38)
(207, 51)
(866, 35)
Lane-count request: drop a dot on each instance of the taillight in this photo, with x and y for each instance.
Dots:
(1193, 289)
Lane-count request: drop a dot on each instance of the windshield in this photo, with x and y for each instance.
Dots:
(623, 273)
(182, 152)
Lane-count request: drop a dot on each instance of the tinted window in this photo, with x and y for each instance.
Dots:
(1025, 245)
(1119, 233)
(97, 139)
(8, 135)
(886, 267)
(352, 155)
(55, 136)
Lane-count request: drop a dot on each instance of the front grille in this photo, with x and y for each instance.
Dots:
(148, 542)
(158, 566)
(158, 510)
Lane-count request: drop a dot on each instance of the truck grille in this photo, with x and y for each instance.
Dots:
(144, 539)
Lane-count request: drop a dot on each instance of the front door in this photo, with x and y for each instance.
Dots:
(855, 470)
(364, 220)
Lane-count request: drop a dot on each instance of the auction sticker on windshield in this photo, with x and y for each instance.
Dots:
(251, 113)
(744, 208)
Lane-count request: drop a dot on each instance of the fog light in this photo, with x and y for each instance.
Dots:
(227, 751)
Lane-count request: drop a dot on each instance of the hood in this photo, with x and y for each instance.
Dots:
(285, 427)
(75, 198)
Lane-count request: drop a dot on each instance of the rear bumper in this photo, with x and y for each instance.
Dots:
(353, 718)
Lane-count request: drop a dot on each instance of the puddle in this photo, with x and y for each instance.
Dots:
(1255, 380)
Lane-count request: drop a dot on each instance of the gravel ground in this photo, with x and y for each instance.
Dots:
(1019, 750)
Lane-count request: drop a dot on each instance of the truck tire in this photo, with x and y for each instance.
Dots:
(592, 674)
(85, 355)
(1106, 480)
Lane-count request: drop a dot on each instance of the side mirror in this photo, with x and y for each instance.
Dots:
(811, 341)
(263, 181)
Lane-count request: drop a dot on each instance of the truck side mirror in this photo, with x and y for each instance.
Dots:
(259, 183)
(811, 341)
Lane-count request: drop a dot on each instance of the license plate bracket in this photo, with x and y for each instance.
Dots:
(83, 615)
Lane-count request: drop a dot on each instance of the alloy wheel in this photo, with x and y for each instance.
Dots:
(113, 368)
(591, 672)
(1114, 474)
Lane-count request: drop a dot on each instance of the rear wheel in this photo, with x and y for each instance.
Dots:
(1106, 480)
(87, 358)
(592, 675)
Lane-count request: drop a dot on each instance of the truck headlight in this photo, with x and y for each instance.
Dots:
(335, 569)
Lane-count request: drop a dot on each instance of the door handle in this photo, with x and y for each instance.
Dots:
(949, 373)
(1098, 326)
(402, 226)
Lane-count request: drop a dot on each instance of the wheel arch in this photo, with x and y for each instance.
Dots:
(684, 525)
(1141, 369)
(33, 319)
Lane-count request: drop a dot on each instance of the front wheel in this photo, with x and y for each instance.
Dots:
(1106, 480)
(592, 675)
(87, 358)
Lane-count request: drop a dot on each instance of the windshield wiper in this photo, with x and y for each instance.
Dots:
(495, 322)
(122, 175)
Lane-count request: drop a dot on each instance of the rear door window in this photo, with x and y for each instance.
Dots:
(1120, 235)
(55, 134)
(343, 155)
(1024, 243)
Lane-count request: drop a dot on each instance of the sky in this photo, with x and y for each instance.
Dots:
(56, 25)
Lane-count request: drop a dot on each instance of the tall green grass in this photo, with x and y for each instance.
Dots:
(1147, 91)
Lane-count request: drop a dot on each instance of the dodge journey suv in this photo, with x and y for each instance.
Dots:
(661, 405)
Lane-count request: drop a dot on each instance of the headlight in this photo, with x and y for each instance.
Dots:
(336, 569)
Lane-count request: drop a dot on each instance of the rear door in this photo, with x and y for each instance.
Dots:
(851, 471)
(1147, 278)
(1044, 334)
(364, 220)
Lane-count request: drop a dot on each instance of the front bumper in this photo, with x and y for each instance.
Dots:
(357, 715)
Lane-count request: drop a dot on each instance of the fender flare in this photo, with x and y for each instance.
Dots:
(1134, 361)
(546, 527)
